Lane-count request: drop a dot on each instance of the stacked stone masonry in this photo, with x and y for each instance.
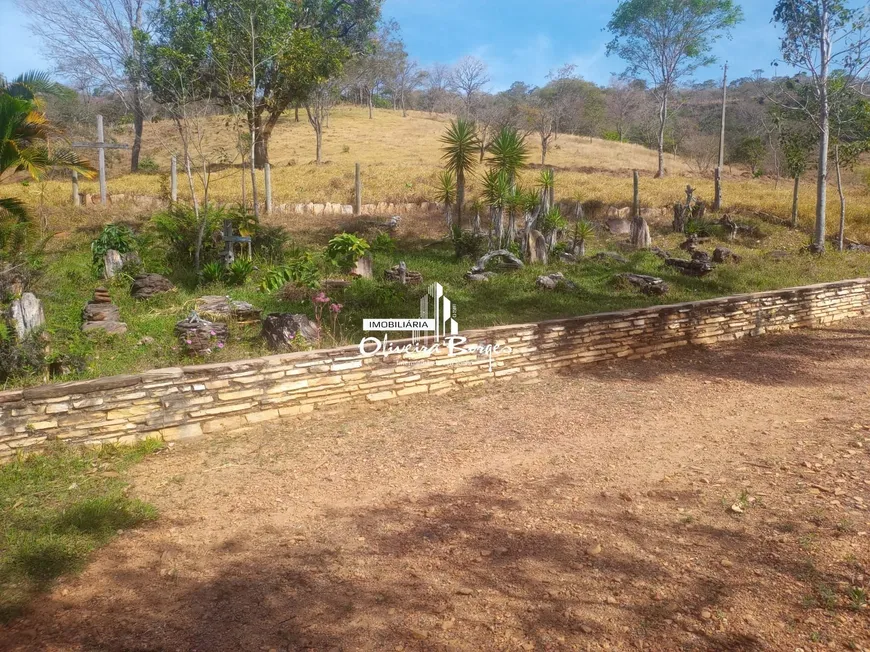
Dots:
(181, 402)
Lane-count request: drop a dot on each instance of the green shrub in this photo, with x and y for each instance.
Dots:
(113, 236)
(21, 359)
(212, 273)
(239, 271)
(467, 244)
(344, 250)
(383, 244)
(177, 229)
(148, 165)
(612, 136)
(302, 270)
(270, 242)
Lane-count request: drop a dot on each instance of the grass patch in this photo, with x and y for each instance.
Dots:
(56, 508)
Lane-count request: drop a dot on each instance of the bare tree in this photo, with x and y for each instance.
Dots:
(408, 79)
(96, 37)
(468, 77)
(822, 36)
(624, 101)
(317, 107)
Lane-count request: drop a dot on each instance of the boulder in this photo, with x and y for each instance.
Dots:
(26, 314)
(280, 330)
(146, 286)
(108, 327)
(701, 256)
(478, 278)
(112, 263)
(725, 255)
(220, 308)
(618, 226)
(100, 314)
(650, 285)
(554, 281)
(690, 267)
(200, 336)
(661, 253)
(363, 267)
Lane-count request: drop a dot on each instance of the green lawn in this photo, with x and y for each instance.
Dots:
(55, 509)
(68, 282)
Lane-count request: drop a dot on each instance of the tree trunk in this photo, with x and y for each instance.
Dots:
(544, 142)
(370, 105)
(244, 184)
(663, 116)
(253, 157)
(460, 196)
(317, 124)
(794, 202)
(841, 236)
(404, 110)
(824, 124)
(297, 113)
(138, 124)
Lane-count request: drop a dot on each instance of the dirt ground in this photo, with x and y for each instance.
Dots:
(712, 499)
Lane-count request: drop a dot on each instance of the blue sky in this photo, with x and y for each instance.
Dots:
(518, 39)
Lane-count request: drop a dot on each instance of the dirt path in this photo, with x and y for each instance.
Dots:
(708, 500)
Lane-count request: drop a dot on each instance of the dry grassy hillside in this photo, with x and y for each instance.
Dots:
(401, 157)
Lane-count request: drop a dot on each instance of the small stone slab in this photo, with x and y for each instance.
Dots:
(362, 268)
(221, 308)
(554, 281)
(725, 255)
(618, 226)
(146, 286)
(478, 278)
(109, 327)
(650, 285)
(609, 257)
(100, 314)
(280, 330)
(690, 267)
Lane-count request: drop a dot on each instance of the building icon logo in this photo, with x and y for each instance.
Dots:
(442, 311)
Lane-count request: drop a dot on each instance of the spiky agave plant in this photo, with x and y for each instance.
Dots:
(583, 231)
(546, 183)
(460, 151)
(496, 190)
(445, 193)
(508, 152)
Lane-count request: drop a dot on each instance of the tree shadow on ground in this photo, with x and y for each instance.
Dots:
(499, 564)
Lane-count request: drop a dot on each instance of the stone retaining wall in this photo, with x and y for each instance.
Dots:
(190, 401)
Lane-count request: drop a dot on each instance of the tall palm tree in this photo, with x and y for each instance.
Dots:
(24, 147)
(460, 150)
(508, 152)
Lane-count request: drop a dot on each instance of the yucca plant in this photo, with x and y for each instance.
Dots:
(460, 150)
(496, 190)
(508, 152)
(445, 193)
(476, 209)
(583, 231)
(546, 183)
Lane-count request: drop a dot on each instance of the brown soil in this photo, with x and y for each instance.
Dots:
(707, 500)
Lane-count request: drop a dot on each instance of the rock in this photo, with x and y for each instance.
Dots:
(477, 278)
(330, 284)
(507, 260)
(706, 614)
(363, 267)
(609, 257)
(594, 551)
(101, 295)
(565, 257)
(220, 308)
(554, 281)
(112, 263)
(640, 236)
(200, 336)
(145, 341)
(661, 253)
(618, 226)
(110, 327)
(101, 312)
(725, 255)
(146, 286)
(690, 267)
(851, 245)
(537, 247)
(701, 256)
(26, 315)
(280, 330)
(726, 563)
(778, 255)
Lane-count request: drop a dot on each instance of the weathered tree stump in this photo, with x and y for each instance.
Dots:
(507, 259)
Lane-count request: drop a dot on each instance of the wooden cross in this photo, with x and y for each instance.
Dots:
(102, 146)
(230, 240)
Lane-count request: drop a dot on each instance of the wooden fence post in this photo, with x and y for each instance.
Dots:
(635, 202)
(553, 189)
(357, 196)
(173, 179)
(102, 158)
(717, 197)
(267, 180)
(77, 200)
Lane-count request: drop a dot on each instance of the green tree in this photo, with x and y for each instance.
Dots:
(668, 40)
(820, 36)
(797, 145)
(460, 151)
(750, 151)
